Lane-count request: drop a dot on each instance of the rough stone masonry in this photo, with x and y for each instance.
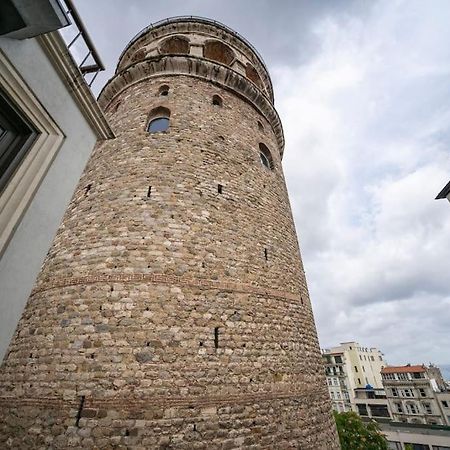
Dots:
(172, 310)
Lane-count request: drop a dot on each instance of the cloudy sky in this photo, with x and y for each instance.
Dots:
(363, 90)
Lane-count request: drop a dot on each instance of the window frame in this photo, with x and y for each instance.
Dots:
(29, 173)
(159, 112)
(265, 157)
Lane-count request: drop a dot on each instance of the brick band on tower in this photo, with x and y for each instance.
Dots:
(172, 309)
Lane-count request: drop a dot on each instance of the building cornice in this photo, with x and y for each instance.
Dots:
(197, 67)
(59, 55)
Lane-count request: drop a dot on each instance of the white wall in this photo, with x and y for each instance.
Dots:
(26, 251)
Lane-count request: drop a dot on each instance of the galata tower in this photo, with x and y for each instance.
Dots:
(172, 310)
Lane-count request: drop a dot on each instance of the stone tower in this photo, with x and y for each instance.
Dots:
(172, 309)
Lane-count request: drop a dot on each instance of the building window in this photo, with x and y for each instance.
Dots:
(175, 45)
(217, 101)
(338, 359)
(362, 409)
(252, 74)
(379, 410)
(408, 393)
(163, 91)
(158, 120)
(265, 156)
(394, 392)
(422, 392)
(427, 408)
(356, 369)
(398, 407)
(29, 142)
(444, 403)
(412, 408)
(217, 51)
(16, 137)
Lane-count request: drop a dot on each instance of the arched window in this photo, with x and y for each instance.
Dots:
(252, 74)
(216, 100)
(163, 90)
(260, 126)
(175, 44)
(158, 120)
(265, 156)
(140, 54)
(217, 51)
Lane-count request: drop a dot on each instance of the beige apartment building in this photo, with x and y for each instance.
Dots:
(417, 394)
(351, 366)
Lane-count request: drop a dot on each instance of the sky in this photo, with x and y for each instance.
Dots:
(363, 91)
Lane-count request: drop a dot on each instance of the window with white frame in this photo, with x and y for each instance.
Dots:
(427, 408)
(29, 142)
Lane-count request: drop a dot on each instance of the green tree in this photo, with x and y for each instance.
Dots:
(354, 434)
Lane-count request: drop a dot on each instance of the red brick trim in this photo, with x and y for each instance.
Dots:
(166, 279)
(130, 403)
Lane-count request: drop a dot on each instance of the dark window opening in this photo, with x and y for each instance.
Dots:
(260, 126)
(16, 138)
(216, 337)
(87, 189)
(265, 156)
(266, 254)
(149, 191)
(164, 90)
(380, 410)
(217, 101)
(219, 188)
(362, 409)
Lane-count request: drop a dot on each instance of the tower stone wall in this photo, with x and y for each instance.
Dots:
(172, 309)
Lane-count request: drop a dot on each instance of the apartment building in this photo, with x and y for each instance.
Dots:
(348, 367)
(416, 394)
(337, 381)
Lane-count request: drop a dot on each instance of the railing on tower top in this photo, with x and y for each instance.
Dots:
(197, 19)
(83, 48)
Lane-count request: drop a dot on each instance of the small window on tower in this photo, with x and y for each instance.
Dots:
(158, 120)
(265, 156)
(163, 90)
(216, 100)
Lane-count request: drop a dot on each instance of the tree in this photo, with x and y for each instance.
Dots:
(354, 434)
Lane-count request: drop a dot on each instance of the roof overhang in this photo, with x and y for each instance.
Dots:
(23, 19)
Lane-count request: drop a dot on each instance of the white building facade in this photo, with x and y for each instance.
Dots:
(49, 124)
(351, 366)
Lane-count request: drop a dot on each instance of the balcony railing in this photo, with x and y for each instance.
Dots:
(80, 44)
